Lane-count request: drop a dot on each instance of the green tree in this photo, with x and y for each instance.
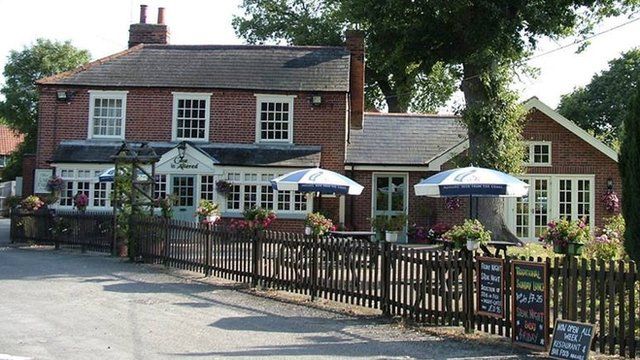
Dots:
(392, 81)
(20, 107)
(629, 163)
(600, 107)
(485, 39)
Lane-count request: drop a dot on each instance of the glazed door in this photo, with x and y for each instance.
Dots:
(390, 197)
(532, 211)
(183, 188)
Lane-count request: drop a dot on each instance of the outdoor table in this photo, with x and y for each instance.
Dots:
(360, 235)
(499, 245)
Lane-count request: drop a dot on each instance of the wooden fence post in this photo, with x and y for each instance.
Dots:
(385, 264)
(314, 266)
(208, 250)
(255, 256)
(468, 293)
(167, 242)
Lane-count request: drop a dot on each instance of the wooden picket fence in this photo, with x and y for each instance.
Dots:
(431, 287)
(88, 230)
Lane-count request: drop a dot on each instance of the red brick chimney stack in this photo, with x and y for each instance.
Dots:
(355, 45)
(143, 33)
(143, 14)
(160, 16)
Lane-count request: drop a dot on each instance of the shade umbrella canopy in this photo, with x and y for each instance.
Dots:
(316, 180)
(473, 182)
(107, 175)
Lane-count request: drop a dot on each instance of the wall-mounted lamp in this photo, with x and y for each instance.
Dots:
(316, 100)
(63, 95)
(609, 184)
(182, 150)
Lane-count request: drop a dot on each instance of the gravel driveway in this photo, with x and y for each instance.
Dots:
(66, 305)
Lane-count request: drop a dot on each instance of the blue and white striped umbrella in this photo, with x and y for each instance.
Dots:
(472, 182)
(316, 180)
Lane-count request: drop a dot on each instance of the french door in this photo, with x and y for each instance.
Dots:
(390, 196)
(550, 198)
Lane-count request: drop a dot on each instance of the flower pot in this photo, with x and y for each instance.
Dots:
(558, 249)
(307, 230)
(472, 244)
(574, 249)
(123, 249)
(212, 218)
(391, 236)
(380, 236)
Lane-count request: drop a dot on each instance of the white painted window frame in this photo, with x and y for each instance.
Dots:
(93, 168)
(260, 98)
(190, 96)
(531, 151)
(553, 202)
(389, 174)
(107, 94)
(283, 214)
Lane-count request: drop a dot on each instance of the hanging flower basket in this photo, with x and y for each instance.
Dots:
(223, 187)
(55, 184)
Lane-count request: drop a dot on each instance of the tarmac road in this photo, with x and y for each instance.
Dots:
(67, 305)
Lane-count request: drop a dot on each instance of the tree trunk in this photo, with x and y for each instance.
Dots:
(490, 210)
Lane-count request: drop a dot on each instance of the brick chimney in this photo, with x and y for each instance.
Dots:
(355, 45)
(143, 33)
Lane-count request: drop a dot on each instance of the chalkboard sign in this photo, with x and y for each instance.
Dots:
(490, 281)
(571, 340)
(530, 304)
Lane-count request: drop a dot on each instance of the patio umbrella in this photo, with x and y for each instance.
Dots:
(107, 175)
(316, 180)
(471, 182)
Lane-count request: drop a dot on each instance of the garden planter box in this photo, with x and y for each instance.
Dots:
(574, 249)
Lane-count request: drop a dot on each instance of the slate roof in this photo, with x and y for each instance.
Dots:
(403, 139)
(286, 68)
(9, 141)
(90, 151)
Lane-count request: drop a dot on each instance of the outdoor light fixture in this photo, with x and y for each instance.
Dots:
(63, 95)
(316, 100)
(609, 184)
(182, 149)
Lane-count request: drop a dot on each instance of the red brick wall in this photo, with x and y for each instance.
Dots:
(233, 119)
(570, 155)
(423, 210)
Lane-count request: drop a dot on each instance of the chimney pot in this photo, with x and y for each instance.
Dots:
(160, 16)
(143, 14)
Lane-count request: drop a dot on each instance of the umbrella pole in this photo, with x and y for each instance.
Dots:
(470, 207)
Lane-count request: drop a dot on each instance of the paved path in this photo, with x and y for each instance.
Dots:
(65, 305)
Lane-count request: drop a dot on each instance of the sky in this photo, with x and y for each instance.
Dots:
(102, 28)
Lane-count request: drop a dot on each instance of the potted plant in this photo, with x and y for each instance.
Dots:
(80, 202)
(470, 235)
(208, 211)
(567, 237)
(32, 203)
(395, 225)
(436, 232)
(223, 187)
(55, 184)
(166, 206)
(317, 224)
(379, 225)
(255, 219)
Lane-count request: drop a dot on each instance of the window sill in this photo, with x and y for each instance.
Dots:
(279, 215)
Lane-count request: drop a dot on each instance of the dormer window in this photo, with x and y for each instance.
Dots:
(191, 116)
(274, 118)
(107, 111)
(537, 153)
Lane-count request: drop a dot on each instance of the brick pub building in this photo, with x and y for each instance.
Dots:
(247, 114)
